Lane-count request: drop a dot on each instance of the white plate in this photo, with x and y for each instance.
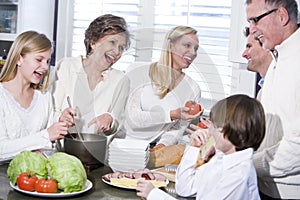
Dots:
(112, 162)
(88, 186)
(128, 159)
(127, 156)
(123, 187)
(130, 144)
(134, 151)
(121, 168)
(128, 162)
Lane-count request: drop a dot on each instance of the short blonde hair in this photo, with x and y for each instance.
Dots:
(26, 42)
(161, 73)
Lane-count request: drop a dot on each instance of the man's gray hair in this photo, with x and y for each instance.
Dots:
(290, 5)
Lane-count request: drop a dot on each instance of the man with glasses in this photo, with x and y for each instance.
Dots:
(274, 23)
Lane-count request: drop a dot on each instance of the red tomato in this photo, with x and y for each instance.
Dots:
(193, 106)
(26, 181)
(46, 186)
(201, 125)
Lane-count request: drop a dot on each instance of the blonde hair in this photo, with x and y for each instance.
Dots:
(161, 73)
(27, 42)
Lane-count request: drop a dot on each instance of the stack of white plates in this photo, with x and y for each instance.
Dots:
(128, 154)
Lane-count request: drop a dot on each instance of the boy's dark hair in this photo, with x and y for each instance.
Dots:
(242, 120)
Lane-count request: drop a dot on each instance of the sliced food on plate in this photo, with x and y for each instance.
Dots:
(129, 179)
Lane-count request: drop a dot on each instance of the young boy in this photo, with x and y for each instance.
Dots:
(238, 127)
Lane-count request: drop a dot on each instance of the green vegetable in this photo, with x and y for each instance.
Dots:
(27, 161)
(68, 171)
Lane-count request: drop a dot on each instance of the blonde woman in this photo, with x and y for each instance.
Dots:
(158, 107)
(25, 105)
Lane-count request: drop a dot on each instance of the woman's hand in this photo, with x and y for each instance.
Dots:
(67, 116)
(182, 113)
(103, 122)
(144, 188)
(57, 131)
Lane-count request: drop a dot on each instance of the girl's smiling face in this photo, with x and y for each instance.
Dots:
(33, 66)
(184, 51)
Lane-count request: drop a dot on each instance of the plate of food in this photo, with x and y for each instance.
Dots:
(128, 180)
(88, 185)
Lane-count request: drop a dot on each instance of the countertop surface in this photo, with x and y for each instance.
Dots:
(100, 190)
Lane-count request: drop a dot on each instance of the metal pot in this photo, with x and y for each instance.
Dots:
(91, 150)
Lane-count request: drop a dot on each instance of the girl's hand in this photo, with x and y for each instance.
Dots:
(103, 122)
(144, 188)
(57, 131)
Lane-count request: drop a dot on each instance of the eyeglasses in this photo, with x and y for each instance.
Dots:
(254, 20)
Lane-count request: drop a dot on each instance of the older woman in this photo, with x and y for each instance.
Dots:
(98, 91)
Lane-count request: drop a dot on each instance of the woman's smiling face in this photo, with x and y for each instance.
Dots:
(108, 50)
(184, 51)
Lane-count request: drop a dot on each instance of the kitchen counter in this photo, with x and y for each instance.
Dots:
(100, 190)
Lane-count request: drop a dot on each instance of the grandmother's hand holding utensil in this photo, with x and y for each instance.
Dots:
(102, 122)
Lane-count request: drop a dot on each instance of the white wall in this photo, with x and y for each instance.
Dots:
(37, 15)
(243, 81)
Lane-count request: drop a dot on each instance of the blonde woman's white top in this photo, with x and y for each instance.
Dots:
(147, 116)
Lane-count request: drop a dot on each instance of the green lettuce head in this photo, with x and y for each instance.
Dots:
(68, 171)
(27, 161)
